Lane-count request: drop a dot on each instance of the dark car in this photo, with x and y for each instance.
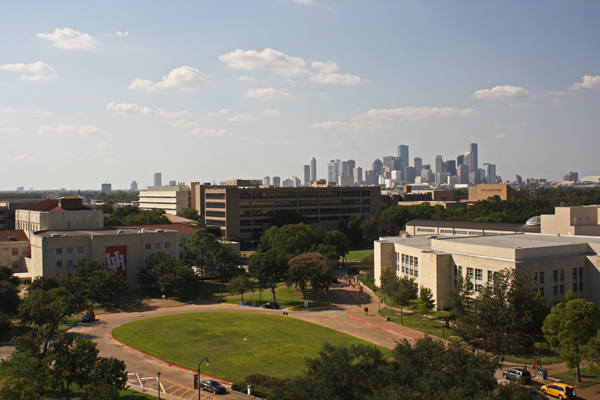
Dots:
(89, 317)
(517, 374)
(213, 386)
(271, 305)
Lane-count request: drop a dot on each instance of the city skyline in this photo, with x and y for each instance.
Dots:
(113, 91)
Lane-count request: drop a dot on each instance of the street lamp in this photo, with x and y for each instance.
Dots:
(158, 387)
(199, 365)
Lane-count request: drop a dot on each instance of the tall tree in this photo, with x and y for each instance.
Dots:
(339, 241)
(240, 284)
(312, 267)
(171, 274)
(269, 268)
(461, 296)
(426, 302)
(406, 292)
(569, 330)
(201, 248)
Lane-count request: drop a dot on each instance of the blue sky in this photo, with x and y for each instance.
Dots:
(114, 91)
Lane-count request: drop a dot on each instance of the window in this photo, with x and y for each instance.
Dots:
(555, 275)
(562, 274)
(15, 252)
(15, 265)
(574, 274)
(541, 277)
(580, 286)
(460, 271)
(58, 252)
(455, 273)
(580, 273)
(470, 273)
(554, 289)
(574, 286)
(80, 250)
(416, 266)
(535, 277)
(478, 275)
(490, 276)
(70, 264)
(59, 264)
(542, 291)
(562, 288)
(478, 288)
(167, 246)
(157, 246)
(69, 250)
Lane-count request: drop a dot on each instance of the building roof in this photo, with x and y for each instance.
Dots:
(175, 219)
(490, 226)
(182, 229)
(13, 236)
(52, 205)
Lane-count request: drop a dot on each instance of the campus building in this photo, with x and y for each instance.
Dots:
(483, 192)
(556, 263)
(245, 211)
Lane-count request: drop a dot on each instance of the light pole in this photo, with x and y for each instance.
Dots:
(158, 387)
(199, 365)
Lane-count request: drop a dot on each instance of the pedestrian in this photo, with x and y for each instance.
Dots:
(539, 363)
(502, 359)
(534, 364)
(475, 352)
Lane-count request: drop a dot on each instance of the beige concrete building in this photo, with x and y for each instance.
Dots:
(246, 212)
(171, 199)
(483, 192)
(466, 228)
(14, 247)
(580, 220)
(557, 264)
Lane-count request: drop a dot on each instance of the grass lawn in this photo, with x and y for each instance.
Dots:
(357, 255)
(76, 392)
(237, 344)
(416, 321)
(286, 297)
(528, 359)
(588, 378)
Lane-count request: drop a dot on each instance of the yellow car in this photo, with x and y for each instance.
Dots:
(560, 390)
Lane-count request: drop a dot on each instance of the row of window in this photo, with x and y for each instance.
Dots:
(407, 264)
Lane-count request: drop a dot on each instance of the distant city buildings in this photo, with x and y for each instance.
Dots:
(157, 179)
(571, 177)
(134, 186)
(106, 188)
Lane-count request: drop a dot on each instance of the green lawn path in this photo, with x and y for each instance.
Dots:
(358, 255)
(237, 344)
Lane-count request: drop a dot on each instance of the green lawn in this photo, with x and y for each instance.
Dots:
(416, 321)
(237, 344)
(357, 255)
(286, 297)
(588, 378)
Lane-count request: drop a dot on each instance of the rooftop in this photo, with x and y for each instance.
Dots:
(13, 236)
(488, 226)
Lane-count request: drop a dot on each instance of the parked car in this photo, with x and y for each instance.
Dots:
(560, 390)
(271, 305)
(517, 374)
(88, 317)
(210, 385)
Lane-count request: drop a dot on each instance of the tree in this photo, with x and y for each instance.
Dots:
(72, 361)
(289, 240)
(201, 248)
(12, 387)
(240, 284)
(29, 367)
(461, 296)
(569, 330)
(189, 213)
(426, 302)
(312, 267)
(389, 283)
(171, 274)
(406, 292)
(94, 280)
(44, 309)
(107, 377)
(7, 274)
(269, 268)
(339, 241)
(43, 283)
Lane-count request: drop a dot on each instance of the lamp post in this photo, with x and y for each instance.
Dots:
(158, 387)
(199, 365)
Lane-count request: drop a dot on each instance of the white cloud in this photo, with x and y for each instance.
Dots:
(104, 145)
(182, 123)
(328, 67)
(588, 82)
(208, 132)
(345, 126)
(272, 112)
(22, 157)
(240, 117)
(305, 2)
(221, 112)
(37, 71)
(267, 94)
(335, 79)
(130, 108)
(64, 130)
(8, 110)
(270, 60)
(122, 34)
(69, 39)
(182, 78)
(9, 129)
(247, 78)
(254, 140)
(502, 93)
(501, 136)
(418, 112)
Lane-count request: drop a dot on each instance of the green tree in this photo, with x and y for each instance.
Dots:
(29, 367)
(94, 280)
(406, 292)
(106, 379)
(72, 361)
(9, 298)
(171, 274)
(240, 284)
(426, 302)
(312, 267)
(44, 309)
(200, 248)
(339, 241)
(6, 274)
(289, 240)
(389, 283)
(43, 283)
(190, 213)
(569, 330)
(269, 268)
(12, 387)
(461, 296)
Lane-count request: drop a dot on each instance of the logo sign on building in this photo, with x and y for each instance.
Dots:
(116, 259)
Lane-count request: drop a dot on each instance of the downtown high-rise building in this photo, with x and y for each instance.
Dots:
(158, 179)
(305, 175)
(313, 170)
(473, 161)
(403, 154)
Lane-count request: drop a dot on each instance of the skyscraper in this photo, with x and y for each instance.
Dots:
(403, 154)
(333, 170)
(305, 175)
(358, 175)
(418, 164)
(313, 170)
(276, 181)
(158, 179)
(377, 167)
(267, 181)
(134, 186)
(491, 173)
(473, 165)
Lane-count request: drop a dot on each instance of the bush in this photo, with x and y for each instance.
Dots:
(25, 281)
(265, 380)
(256, 391)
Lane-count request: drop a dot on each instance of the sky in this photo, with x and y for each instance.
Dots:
(114, 91)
